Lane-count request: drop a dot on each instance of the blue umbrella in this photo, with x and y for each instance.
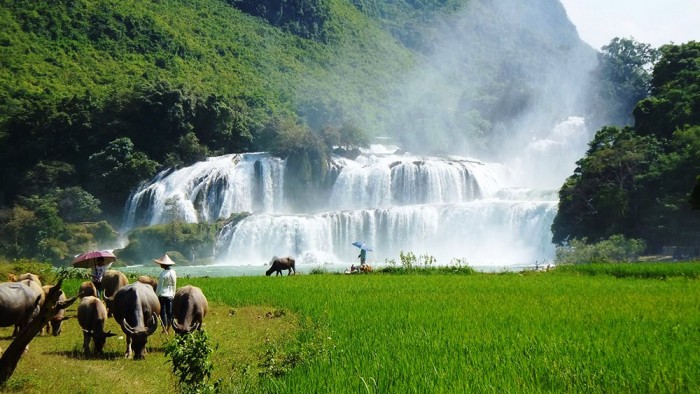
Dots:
(362, 246)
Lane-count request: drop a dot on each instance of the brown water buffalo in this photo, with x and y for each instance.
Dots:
(30, 280)
(149, 281)
(111, 283)
(18, 305)
(92, 315)
(87, 289)
(36, 288)
(136, 309)
(190, 306)
(55, 325)
(277, 264)
(25, 276)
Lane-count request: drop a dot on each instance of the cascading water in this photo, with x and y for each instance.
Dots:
(209, 190)
(446, 207)
(443, 207)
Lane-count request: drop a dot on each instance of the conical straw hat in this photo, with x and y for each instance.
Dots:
(165, 260)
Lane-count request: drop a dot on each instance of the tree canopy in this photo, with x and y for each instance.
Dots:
(641, 181)
(623, 78)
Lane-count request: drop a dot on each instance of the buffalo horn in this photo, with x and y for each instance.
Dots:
(153, 324)
(127, 327)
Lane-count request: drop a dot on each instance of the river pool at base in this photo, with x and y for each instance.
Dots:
(259, 270)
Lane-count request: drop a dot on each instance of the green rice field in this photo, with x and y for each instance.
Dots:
(537, 332)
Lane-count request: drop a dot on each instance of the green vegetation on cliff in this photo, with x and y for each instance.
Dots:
(641, 181)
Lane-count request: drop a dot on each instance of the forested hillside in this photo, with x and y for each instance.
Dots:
(97, 96)
(641, 181)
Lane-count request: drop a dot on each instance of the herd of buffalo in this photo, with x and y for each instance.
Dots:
(134, 306)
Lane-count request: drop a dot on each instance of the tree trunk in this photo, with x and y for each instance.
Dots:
(9, 359)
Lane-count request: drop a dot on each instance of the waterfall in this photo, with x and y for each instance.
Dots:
(449, 208)
(394, 180)
(209, 190)
(483, 232)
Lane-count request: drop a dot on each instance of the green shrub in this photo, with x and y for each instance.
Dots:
(191, 358)
(424, 264)
(318, 271)
(617, 248)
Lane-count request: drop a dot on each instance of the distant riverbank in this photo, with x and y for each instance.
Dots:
(217, 271)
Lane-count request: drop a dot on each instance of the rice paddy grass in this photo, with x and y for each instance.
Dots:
(537, 333)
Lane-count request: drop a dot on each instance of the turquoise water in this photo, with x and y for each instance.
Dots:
(223, 270)
(259, 270)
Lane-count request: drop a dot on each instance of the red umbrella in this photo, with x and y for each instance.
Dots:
(94, 257)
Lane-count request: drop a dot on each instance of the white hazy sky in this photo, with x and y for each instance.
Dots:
(655, 22)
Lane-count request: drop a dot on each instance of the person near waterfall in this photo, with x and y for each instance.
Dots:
(362, 257)
(166, 290)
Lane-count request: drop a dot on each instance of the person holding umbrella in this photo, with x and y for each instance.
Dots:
(99, 261)
(166, 290)
(362, 257)
(98, 272)
(363, 252)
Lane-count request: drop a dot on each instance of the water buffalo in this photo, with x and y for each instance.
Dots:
(111, 283)
(190, 306)
(25, 276)
(277, 264)
(92, 315)
(56, 323)
(18, 305)
(36, 288)
(136, 309)
(87, 289)
(149, 281)
(30, 280)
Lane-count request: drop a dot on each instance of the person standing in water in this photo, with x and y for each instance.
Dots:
(167, 282)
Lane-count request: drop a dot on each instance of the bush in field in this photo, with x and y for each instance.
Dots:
(191, 358)
(424, 264)
(318, 271)
(617, 248)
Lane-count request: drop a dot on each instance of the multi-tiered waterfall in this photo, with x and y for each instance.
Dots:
(446, 207)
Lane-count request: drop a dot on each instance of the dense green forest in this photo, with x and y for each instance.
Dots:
(99, 96)
(642, 180)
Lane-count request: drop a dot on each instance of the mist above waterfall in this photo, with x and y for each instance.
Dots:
(497, 79)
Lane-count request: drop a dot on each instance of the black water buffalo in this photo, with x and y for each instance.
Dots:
(92, 315)
(277, 264)
(112, 281)
(18, 305)
(136, 309)
(190, 306)
(55, 325)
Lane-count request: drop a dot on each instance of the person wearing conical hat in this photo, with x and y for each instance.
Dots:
(165, 290)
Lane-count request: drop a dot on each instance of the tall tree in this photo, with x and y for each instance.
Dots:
(623, 78)
(596, 201)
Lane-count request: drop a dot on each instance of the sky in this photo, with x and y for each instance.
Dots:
(655, 22)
